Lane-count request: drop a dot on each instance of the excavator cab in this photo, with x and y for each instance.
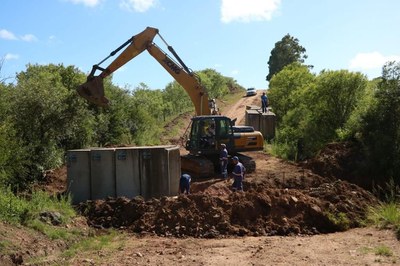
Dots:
(208, 132)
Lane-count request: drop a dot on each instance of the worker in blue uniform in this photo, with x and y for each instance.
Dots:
(238, 174)
(184, 184)
(223, 160)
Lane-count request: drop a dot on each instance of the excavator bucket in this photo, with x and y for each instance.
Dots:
(93, 91)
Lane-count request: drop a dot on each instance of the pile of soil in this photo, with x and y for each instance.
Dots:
(218, 212)
(341, 160)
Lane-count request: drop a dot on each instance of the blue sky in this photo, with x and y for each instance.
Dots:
(234, 37)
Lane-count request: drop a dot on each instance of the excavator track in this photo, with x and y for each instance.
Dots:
(197, 166)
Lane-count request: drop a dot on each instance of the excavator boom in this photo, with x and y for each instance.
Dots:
(93, 89)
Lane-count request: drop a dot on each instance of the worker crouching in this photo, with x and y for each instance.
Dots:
(184, 184)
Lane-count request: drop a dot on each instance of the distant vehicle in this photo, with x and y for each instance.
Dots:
(251, 92)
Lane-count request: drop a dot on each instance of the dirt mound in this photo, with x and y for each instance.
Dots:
(340, 161)
(261, 210)
(54, 181)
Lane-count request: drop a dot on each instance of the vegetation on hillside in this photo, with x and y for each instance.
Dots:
(313, 110)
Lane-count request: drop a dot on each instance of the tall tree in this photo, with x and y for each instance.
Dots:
(381, 127)
(286, 51)
(315, 110)
(284, 87)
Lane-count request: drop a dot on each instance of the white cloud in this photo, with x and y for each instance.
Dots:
(248, 10)
(89, 3)
(5, 34)
(8, 35)
(137, 5)
(371, 60)
(29, 38)
(235, 72)
(11, 56)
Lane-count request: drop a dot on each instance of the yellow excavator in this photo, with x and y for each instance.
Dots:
(208, 128)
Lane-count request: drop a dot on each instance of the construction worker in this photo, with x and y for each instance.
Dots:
(184, 184)
(211, 134)
(223, 159)
(264, 102)
(238, 174)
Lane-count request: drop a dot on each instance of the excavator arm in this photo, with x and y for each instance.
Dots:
(93, 88)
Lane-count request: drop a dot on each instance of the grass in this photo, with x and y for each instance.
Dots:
(12, 208)
(383, 251)
(54, 232)
(26, 211)
(386, 215)
(4, 244)
(378, 250)
(340, 220)
(95, 243)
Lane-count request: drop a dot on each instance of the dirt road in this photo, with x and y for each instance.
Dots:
(354, 247)
(238, 109)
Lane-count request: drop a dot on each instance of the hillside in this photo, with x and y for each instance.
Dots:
(287, 215)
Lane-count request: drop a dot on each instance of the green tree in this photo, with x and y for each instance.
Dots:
(286, 51)
(284, 87)
(47, 116)
(381, 127)
(215, 84)
(286, 95)
(12, 153)
(316, 110)
(111, 126)
(175, 99)
(336, 96)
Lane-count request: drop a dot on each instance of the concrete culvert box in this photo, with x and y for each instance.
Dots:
(127, 174)
(267, 125)
(78, 175)
(252, 118)
(152, 171)
(102, 172)
(159, 171)
(174, 169)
